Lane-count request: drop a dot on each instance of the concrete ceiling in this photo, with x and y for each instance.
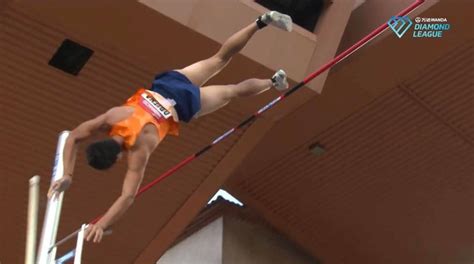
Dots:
(395, 185)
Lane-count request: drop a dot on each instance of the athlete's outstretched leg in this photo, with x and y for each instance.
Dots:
(201, 71)
(214, 97)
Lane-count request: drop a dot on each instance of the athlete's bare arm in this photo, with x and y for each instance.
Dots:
(137, 160)
(86, 129)
(81, 132)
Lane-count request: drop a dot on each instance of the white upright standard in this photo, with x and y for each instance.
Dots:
(33, 200)
(53, 209)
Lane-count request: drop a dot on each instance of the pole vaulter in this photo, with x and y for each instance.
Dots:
(278, 81)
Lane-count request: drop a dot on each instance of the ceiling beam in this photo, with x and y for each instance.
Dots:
(329, 30)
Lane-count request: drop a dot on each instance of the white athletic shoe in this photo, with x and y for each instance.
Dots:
(279, 80)
(278, 20)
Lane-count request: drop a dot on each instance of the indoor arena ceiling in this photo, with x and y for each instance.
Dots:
(394, 185)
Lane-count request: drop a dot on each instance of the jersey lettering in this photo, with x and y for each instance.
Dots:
(154, 107)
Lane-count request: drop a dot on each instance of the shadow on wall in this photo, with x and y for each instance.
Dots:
(367, 16)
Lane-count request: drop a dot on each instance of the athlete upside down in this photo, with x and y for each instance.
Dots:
(138, 126)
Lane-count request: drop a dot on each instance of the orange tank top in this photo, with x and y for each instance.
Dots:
(147, 109)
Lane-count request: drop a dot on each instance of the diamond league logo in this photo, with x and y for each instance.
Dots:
(424, 27)
(400, 25)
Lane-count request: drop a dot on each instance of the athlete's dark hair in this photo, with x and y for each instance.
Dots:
(103, 154)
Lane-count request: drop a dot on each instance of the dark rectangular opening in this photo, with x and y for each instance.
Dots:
(304, 13)
(71, 57)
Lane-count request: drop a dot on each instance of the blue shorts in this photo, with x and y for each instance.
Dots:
(176, 86)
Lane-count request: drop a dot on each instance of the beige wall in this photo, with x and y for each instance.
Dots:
(203, 247)
(230, 240)
(246, 243)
